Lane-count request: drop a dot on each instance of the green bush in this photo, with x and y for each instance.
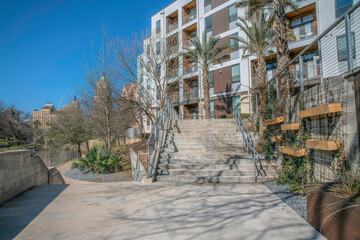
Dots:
(98, 160)
(146, 135)
(245, 115)
(226, 116)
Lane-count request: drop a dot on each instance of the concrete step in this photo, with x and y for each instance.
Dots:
(190, 136)
(206, 142)
(266, 167)
(205, 173)
(205, 126)
(191, 148)
(205, 161)
(201, 121)
(205, 155)
(221, 179)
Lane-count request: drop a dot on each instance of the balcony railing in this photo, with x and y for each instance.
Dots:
(173, 73)
(174, 97)
(304, 31)
(172, 26)
(172, 49)
(192, 95)
(190, 68)
(188, 43)
(189, 17)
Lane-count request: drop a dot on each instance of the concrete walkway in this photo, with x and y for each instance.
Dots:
(159, 211)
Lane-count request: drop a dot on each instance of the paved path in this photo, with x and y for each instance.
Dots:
(132, 210)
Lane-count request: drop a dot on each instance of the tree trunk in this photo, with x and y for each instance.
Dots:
(79, 151)
(282, 52)
(261, 83)
(87, 145)
(206, 87)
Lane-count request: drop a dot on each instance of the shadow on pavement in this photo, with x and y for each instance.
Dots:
(18, 212)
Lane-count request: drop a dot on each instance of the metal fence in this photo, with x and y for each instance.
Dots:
(315, 78)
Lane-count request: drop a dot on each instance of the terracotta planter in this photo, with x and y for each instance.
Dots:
(321, 208)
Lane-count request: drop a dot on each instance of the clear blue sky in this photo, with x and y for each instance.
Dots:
(42, 43)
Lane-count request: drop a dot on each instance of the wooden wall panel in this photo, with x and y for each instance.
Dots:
(220, 21)
(222, 106)
(222, 80)
(216, 3)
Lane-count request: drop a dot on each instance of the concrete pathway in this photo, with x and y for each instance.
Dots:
(132, 210)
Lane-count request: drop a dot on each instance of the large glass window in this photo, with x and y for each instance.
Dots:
(158, 27)
(236, 103)
(212, 109)
(232, 13)
(341, 47)
(341, 6)
(207, 3)
(309, 18)
(148, 49)
(157, 48)
(235, 73)
(211, 79)
(208, 24)
(148, 84)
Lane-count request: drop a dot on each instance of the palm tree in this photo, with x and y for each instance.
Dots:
(276, 8)
(260, 38)
(204, 53)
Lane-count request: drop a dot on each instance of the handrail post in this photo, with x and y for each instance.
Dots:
(301, 73)
(320, 63)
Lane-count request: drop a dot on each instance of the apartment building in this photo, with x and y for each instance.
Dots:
(230, 81)
(44, 115)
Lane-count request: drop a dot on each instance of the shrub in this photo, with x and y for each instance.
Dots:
(226, 116)
(146, 135)
(98, 160)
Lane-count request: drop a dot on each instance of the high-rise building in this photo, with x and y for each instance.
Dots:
(44, 116)
(231, 81)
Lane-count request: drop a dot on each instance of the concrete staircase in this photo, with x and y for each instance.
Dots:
(207, 151)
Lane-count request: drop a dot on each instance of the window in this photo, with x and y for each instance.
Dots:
(234, 43)
(232, 13)
(211, 79)
(208, 24)
(148, 66)
(147, 121)
(141, 77)
(212, 108)
(235, 73)
(148, 49)
(148, 84)
(309, 18)
(157, 48)
(158, 27)
(341, 6)
(158, 70)
(207, 5)
(341, 47)
(236, 103)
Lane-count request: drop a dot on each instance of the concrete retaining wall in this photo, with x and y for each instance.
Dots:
(19, 171)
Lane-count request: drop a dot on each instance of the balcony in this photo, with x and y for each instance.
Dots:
(304, 31)
(172, 49)
(187, 43)
(192, 95)
(173, 26)
(173, 73)
(174, 98)
(190, 68)
(190, 17)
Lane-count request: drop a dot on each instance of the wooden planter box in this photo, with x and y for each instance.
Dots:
(275, 121)
(293, 151)
(276, 139)
(323, 145)
(344, 224)
(320, 110)
(290, 127)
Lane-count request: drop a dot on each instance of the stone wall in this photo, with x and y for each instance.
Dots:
(19, 171)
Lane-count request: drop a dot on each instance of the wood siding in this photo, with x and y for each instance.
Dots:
(220, 21)
(216, 3)
(222, 80)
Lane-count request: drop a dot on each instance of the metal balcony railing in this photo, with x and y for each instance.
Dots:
(172, 26)
(190, 68)
(190, 17)
(304, 31)
(172, 49)
(173, 73)
(192, 95)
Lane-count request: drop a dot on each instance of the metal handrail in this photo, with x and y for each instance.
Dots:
(315, 41)
(249, 147)
(161, 124)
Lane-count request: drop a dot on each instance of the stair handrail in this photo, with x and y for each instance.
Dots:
(249, 147)
(158, 132)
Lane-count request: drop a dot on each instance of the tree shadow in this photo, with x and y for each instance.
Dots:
(18, 212)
